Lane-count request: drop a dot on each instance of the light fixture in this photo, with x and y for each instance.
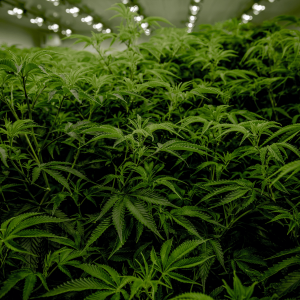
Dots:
(74, 11)
(98, 26)
(192, 19)
(107, 30)
(138, 18)
(16, 12)
(144, 25)
(88, 20)
(55, 2)
(67, 32)
(194, 9)
(39, 21)
(53, 27)
(257, 8)
(134, 8)
(246, 18)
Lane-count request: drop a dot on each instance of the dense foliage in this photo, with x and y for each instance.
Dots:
(166, 171)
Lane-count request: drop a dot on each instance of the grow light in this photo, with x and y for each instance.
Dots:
(257, 8)
(74, 11)
(16, 12)
(134, 8)
(67, 32)
(98, 26)
(53, 27)
(107, 30)
(144, 25)
(246, 18)
(138, 18)
(39, 21)
(194, 9)
(55, 2)
(88, 20)
(192, 19)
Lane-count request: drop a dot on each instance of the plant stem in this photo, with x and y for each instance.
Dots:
(53, 124)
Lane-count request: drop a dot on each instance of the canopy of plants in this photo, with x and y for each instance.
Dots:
(166, 171)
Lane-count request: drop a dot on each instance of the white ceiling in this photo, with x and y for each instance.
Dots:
(175, 11)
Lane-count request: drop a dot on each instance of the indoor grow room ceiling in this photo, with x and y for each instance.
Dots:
(175, 11)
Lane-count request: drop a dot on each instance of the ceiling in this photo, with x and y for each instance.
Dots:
(175, 11)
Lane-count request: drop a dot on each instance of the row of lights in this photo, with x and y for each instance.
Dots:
(55, 2)
(88, 20)
(194, 10)
(16, 12)
(139, 18)
(256, 9)
(38, 20)
(99, 26)
(55, 27)
(75, 11)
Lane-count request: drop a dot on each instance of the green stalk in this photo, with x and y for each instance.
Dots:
(53, 124)
(4, 200)
(99, 52)
(40, 160)
(36, 98)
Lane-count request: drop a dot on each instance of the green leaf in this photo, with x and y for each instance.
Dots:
(187, 225)
(70, 170)
(35, 220)
(183, 250)
(13, 279)
(174, 145)
(118, 217)
(141, 214)
(59, 178)
(77, 285)
(97, 272)
(151, 197)
(8, 65)
(35, 174)
(36, 233)
(16, 247)
(278, 267)
(154, 20)
(289, 283)
(98, 232)
(189, 262)
(293, 167)
(102, 295)
(181, 278)
(192, 296)
(29, 285)
(3, 156)
(165, 250)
